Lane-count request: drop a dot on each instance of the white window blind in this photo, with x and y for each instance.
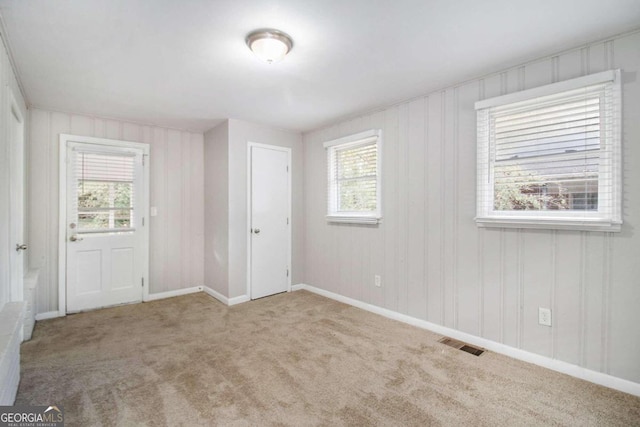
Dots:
(105, 196)
(354, 178)
(552, 160)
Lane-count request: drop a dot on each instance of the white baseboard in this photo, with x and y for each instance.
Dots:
(239, 300)
(217, 295)
(546, 362)
(48, 315)
(226, 301)
(171, 294)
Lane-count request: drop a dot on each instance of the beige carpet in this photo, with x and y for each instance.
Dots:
(293, 359)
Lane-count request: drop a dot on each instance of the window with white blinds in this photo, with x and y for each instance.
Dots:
(353, 167)
(550, 157)
(105, 196)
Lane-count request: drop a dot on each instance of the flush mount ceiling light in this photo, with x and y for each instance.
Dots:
(269, 45)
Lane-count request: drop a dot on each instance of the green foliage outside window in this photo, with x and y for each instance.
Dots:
(103, 204)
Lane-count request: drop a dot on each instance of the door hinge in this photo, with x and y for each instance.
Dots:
(143, 156)
(142, 282)
(143, 221)
(287, 168)
(287, 221)
(287, 272)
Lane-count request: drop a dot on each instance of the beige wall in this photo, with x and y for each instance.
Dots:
(216, 205)
(177, 179)
(437, 265)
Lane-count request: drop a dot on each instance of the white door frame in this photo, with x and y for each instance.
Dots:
(289, 238)
(16, 291)
(62, 201)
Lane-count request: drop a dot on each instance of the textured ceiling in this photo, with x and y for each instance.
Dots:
(184, 63)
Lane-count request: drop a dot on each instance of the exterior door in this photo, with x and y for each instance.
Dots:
(106, 240)
(16, 191)
(269, 220)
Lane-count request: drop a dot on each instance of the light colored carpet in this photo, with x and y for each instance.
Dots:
(294, 359)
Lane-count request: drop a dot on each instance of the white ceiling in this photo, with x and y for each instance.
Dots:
(184, 63)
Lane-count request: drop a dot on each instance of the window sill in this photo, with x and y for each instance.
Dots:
(370, 220)
(551, 224)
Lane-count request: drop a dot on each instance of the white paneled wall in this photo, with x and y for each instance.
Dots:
(438, 266)
(177, 180)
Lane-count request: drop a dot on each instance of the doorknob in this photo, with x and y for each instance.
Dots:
(21, 247)
(75, 238)
(256, 230)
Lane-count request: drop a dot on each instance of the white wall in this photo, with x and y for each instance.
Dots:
(438, 266)
(177, 180)
(216, 205)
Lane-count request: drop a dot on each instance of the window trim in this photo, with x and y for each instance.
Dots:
(115, 151)
(371, 217)
(610, 221)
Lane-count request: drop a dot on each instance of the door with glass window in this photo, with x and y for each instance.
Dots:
(105, 243)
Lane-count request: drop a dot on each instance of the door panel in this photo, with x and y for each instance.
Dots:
(88, 272)
(270, 236)
(122, 268)
(105, 242)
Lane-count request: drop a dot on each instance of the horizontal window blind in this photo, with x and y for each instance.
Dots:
(353, 177)
(553, 153)
(105, 196)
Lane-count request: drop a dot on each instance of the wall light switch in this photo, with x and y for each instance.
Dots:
(377, 281)
(153, 211)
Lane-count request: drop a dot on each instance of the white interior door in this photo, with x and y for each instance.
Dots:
(16, 191)
(106, 243)
(269, 220)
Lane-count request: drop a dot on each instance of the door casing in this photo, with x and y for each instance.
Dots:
(249, 211)
(17, 211)
(62, 199)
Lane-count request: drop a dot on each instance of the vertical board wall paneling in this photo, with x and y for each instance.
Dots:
(469, 280)
(416, 292)
(402, 188)
(391, 194)
(196, 209)
(168, 270)
(185, 210)
(434, 235)
(175, 205)
(39, 201)
(438, 266)
(448, 200)
(625, 268)
(58, 123)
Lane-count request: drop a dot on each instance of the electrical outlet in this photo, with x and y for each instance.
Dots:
(377, 281)
(544, 316)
